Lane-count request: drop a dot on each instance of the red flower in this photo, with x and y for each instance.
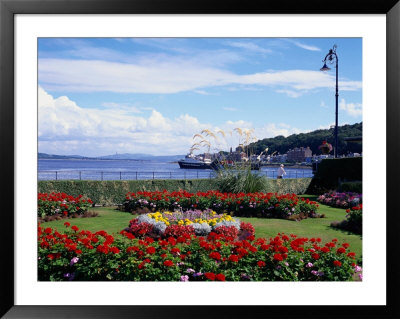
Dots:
(315, 256)
(278, 257)
(220, 277)
(337, 263)
(168, 263)
(261, 264)
(215, 255)
(283, 249)
(341, 250)
(233, 258)
(44, 244)
(47, 230)
(74, 228)
(150, 250)
(351, 254)
(115, 250)
(210, 275)
(325, 249)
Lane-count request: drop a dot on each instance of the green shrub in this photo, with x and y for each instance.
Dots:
(353, 221)
(354, 187)
(331, 172)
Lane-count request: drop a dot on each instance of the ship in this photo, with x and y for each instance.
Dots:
(193, 162)
(190, 161)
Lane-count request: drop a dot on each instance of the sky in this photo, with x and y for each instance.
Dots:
(102, 96)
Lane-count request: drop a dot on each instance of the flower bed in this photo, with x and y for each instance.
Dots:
(353, 221)
(83, 255)
(192, 222)
(340, 200)
(62, 205)
(269, 205)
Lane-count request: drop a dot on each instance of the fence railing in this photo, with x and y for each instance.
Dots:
(146, 175)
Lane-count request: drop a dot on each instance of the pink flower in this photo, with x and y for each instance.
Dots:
(74, 261)
(357, 268)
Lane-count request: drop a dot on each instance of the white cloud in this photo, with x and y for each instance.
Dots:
(303, 45)
(353, 109)
(121, 106)
(249, 46)
(272, 130)
(67, 128)
(230, 109)
(291, 93)
(156, 76)
(202, 92)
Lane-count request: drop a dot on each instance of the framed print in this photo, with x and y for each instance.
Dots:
(105, 98)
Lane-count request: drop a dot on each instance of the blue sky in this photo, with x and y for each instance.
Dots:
(99, 96)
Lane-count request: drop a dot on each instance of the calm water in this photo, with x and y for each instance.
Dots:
(129, 169)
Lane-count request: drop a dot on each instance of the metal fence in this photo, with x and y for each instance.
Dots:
(151, 175)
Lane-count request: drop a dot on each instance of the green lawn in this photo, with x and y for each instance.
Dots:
(113, 221)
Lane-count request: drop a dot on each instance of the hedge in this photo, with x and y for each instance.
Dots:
(113, 192)
(331, 173)
(354, 187)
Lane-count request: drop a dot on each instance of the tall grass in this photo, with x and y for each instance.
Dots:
(240, 179)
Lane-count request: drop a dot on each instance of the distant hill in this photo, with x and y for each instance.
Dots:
(312, 139)
(124, 156)
(141, 157)
(52, 156)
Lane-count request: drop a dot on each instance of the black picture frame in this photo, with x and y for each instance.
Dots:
(8, 10)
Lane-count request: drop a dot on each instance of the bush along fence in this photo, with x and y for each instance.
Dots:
(113, 192)
(82, 255)
(268, 205)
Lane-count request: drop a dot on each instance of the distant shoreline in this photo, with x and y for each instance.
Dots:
(91, 159)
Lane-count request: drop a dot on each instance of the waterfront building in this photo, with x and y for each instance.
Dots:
(280, 158)
(299, 154)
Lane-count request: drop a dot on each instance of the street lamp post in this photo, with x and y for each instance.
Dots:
(331, 58)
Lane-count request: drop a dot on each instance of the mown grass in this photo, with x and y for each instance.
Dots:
(113, 221)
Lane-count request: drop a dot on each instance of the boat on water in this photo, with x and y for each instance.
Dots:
(193, 162)
(190, 161)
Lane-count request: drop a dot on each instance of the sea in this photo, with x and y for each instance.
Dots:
(88, 169)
